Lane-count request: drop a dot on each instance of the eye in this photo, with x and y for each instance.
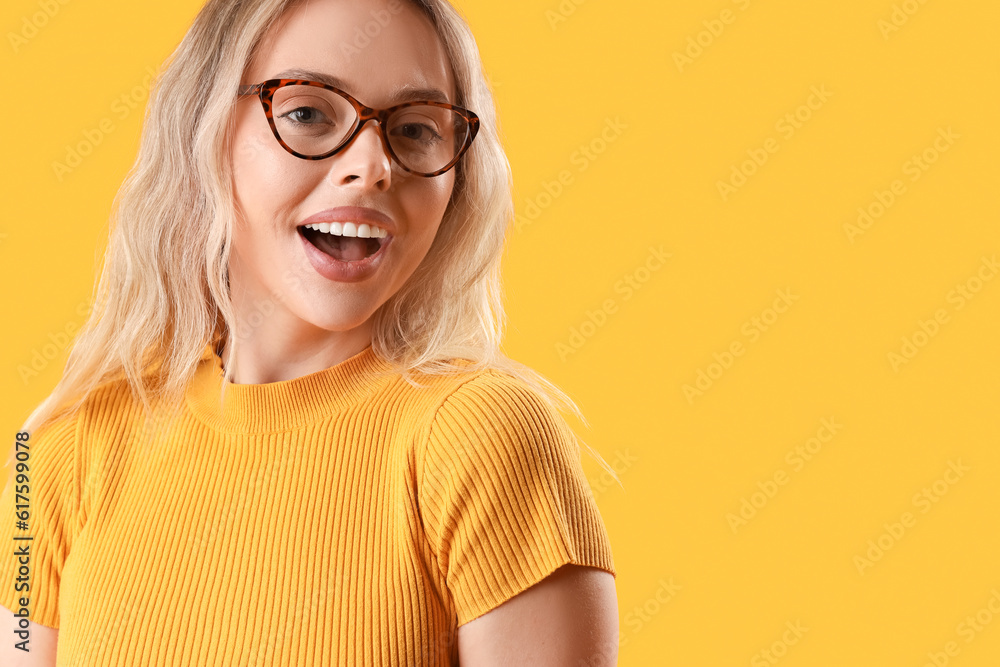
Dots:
(305, 115)
(416, 132)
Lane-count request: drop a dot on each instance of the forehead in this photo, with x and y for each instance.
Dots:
(380, 51)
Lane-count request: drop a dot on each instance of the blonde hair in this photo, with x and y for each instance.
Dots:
(163, 291)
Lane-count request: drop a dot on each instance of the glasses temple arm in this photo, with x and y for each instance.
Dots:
(248, 90)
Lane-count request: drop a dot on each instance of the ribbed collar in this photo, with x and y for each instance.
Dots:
(285, 405)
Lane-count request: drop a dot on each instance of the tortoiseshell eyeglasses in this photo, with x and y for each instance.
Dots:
(313, 120)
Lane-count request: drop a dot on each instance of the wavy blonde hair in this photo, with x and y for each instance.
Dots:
(163, 291)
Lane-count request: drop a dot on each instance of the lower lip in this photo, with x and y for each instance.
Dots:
(346, 272)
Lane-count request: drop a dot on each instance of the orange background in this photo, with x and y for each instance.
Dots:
(802, 401)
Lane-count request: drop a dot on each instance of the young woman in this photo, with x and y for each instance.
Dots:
(287, 435)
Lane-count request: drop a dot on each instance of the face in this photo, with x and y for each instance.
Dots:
(308, 296)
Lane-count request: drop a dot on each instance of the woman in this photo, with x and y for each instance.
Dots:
(286, 435)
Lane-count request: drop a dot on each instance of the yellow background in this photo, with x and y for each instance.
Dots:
(663, 132)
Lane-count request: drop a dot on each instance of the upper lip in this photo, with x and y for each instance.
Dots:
(352, 214)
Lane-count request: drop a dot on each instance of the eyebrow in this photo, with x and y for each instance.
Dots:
(404, 93)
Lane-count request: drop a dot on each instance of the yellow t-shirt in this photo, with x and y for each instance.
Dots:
(343, 517)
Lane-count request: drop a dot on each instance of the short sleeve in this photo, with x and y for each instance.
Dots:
(503, 496)
(38, 515)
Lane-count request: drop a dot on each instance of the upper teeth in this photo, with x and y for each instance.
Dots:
(362, 231)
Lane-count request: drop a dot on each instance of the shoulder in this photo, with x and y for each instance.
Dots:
(51, 446)
(71, 432)
(491, 406)
(496, 430)
(109, 410)
(48, 453)
(493, 393)
(480, 394)
(502, 493)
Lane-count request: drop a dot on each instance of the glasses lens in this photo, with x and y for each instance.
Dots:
(426, 138)
(314, 121)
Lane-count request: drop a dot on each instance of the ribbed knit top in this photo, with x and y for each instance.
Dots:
(344, 517)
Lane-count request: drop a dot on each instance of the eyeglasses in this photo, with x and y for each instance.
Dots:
(313, 121)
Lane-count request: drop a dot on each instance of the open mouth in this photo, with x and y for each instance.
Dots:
(342, 248)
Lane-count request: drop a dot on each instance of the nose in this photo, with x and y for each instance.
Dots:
(365, 157)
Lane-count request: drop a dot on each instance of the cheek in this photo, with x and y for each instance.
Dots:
(246, 153)
(265, 185)
(426, 212)
(435, 197)
(250, 166)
